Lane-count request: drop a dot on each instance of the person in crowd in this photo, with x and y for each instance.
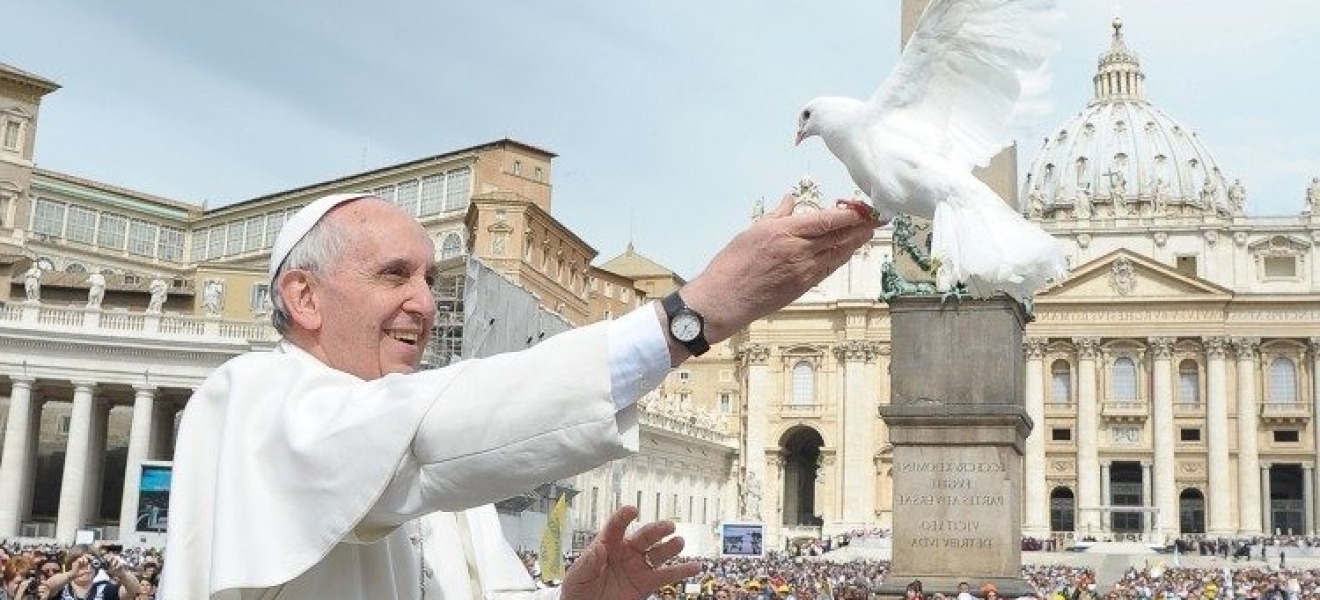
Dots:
(80, 580)
(326, 447)
(19, 576)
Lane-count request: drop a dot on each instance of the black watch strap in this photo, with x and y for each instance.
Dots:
(674, 305)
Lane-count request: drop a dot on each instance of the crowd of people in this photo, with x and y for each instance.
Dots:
(57, 572)
(81, 571)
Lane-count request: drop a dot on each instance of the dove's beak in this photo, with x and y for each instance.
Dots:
(797, 140)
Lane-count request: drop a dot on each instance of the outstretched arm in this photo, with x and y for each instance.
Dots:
(770, 264)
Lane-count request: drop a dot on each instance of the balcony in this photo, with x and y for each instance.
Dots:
(1285, 412)
(46, 320)
(1060, 409)
(803, 411)
(1124, 411)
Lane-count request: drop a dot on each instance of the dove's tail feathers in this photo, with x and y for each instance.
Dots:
(990, 248)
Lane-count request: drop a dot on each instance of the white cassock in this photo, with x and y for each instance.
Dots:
(291, 479)
(467, 556)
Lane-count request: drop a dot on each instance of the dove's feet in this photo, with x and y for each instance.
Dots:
(862, 209)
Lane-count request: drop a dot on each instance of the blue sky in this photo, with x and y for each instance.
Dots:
(670, 117)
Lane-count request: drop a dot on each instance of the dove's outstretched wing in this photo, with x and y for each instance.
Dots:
(958, 83)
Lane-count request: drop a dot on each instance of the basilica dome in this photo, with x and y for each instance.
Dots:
(1122, 157)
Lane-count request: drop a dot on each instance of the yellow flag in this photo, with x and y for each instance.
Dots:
(552, 550)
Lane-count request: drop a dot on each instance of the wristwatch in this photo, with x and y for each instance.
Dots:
(686, 326)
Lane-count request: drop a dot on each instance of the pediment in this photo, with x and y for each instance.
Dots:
(1123, 275)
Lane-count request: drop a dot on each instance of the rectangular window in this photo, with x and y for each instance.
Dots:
(726, 402)
(62, 425)
(1280, 266)
(141, 238)
(384, 192)
(1189, 434)
(233, 237)
(433, 194)
(685, 376)
(215, 242)
(457, 192)
(199, 245)
(12, 130)
(1060, 434)
(169, 244)
(111, 234)
(255, 234)
(48, 218)
(81, 226)
(1287, 436)
(1186, 265)
(657, 507)
(274, 221)
(407, 197)
(258, 298)
(595, 506)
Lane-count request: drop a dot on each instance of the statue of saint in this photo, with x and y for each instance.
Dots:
(1159, 196)
(159, 291)
(751, 496)
(211, 300)
(1237, 197)
(1035, 202)
(758, 208)
(32, 283)
(95, 290)
(1084, 208)
(1313, 196)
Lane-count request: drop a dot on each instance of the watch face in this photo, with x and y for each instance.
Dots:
(685, 327)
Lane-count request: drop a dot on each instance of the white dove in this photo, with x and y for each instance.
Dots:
(949, 106)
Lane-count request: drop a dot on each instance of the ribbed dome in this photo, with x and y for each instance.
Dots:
(1122, 156)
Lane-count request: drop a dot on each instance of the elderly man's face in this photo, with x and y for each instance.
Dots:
(374, 304)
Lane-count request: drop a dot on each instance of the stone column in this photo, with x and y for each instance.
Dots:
(73, 486)
(772, 498)
(1036, 513)
(17, 457)
(858, 444)
(1308, 499)
(1088, 453)
(1162, 433)
(96, 460)
(1268, 516)
(139, 443)
(1220, 498)
(1147, 524)
(829, 486)
(759, 392)
(1314, 344)
(1105, 499)
(1249, 499)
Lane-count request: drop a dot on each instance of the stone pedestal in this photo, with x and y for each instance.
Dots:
(958, 426)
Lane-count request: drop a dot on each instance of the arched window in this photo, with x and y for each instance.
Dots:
(1283, 381)
(1061, 382)
(804, 383)
(1123, 380)
(452, 246)
(1189, 382)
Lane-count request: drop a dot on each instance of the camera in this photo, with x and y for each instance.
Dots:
(97, 564)
(33, 579)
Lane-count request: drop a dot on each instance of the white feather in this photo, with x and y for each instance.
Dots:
(972, 71)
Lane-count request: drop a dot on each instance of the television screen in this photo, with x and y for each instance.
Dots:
(742, 539)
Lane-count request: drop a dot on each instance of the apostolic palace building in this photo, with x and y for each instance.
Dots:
(1172, 378)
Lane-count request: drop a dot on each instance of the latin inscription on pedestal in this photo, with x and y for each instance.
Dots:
(955, 502)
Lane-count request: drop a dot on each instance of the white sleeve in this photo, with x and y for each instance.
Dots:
(639, 355)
